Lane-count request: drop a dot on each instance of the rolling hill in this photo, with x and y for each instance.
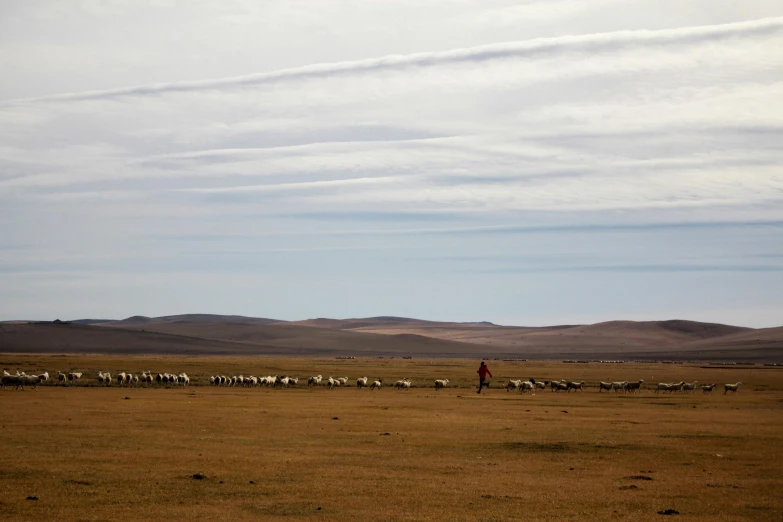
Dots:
(396, 336)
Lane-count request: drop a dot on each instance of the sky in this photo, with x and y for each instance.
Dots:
(526, 163)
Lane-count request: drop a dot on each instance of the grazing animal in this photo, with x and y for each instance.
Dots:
(402, 384)
(314, 381)
(734, 388)
(441, 383)
(570, 385)
(689, 386)
(376, 385)
(707, 389)
(634, 386)
(513, 385)
(617, 386)
(604, 386)
(30, 380)
(526, 386)
(361, 382)
(9, 380)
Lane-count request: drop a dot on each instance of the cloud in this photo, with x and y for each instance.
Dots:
(599, 154)
(582, 44)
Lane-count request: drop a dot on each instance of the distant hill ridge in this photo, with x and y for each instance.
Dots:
(390, 335)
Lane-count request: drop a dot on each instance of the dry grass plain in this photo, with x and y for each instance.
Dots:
(89, 453)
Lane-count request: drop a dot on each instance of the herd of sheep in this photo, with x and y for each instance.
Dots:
(20, 380)
(618, 386)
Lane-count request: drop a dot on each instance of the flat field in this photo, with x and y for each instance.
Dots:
(91, 453)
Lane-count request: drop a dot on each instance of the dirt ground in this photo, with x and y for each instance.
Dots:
(92, 453)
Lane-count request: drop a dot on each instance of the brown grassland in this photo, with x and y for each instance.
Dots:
(91, 453)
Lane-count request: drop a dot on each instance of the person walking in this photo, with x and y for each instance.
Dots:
(483, 371)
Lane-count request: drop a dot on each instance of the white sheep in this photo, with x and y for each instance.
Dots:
(617, 386)
(376, 385)
(604, 386)
(570, 385)
(361, 382)
(513, 385)
(526, 386)
(315, 380)
(441, 383)
(690, 386)
(707, 389)
(402, 384)
(734, 388)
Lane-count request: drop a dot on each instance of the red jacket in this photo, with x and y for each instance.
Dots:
(483, 371)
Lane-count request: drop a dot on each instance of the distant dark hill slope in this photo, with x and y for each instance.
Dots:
(612, 334)
(751, 339)
(367, 322)
(221, 339)
(140, 320)
(77, 338)
(655, 332)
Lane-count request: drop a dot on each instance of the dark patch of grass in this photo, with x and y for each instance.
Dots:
(697, 436)
(78, 482)
(561, 447)
(638, 477)
(287, 509)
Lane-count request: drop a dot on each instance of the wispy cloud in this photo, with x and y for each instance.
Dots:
(595, 43)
